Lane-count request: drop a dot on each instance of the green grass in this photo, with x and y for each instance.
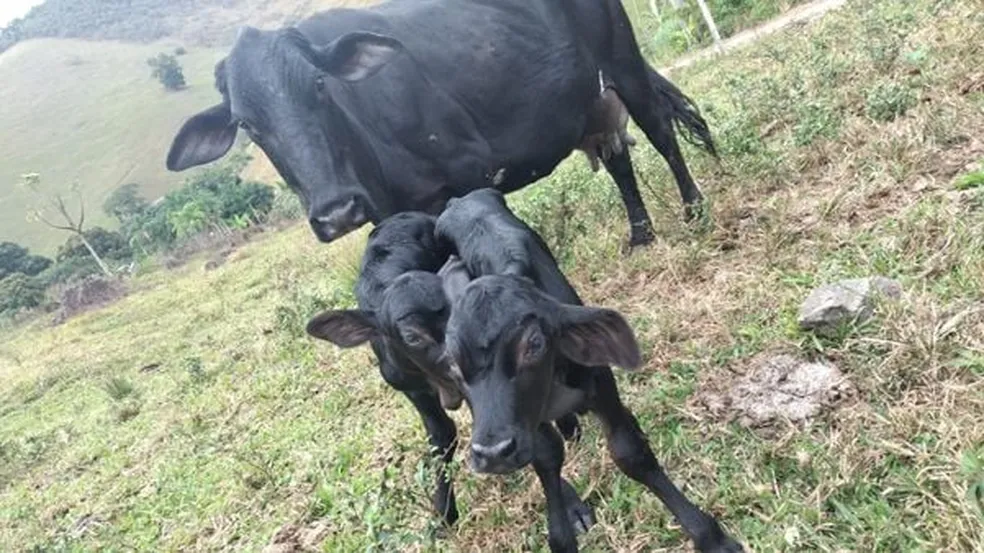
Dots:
(248, 426)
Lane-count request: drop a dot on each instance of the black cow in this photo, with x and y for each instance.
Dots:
(506, 341)
(402, 314)
(401, 106)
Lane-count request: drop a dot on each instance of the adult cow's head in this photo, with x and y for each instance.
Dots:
(277, 86)
(503, 341)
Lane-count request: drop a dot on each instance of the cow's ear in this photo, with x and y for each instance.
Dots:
(202, 139)
(592, 336)
(351, 57)
(346, 329)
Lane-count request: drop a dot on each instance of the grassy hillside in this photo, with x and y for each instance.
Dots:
(89, 112)
(195, 414)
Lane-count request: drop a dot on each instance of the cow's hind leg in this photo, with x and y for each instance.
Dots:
(657, 123)
(443, 438)
(631, 453)
(655, 104)
(619, 166)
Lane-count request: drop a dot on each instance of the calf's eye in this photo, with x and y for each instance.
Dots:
(532, 346)
(319, 84)
(412, 339)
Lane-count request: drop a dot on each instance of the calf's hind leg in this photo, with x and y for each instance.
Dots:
(631, 453)
(443, 437)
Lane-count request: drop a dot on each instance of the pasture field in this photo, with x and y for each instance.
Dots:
(89, 112)
(195, 415)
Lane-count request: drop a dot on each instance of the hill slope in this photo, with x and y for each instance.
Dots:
(89, 112)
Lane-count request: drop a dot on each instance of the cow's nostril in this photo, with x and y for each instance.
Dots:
(499, 450)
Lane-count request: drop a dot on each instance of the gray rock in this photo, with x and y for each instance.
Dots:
(846, 301)
(777, 390)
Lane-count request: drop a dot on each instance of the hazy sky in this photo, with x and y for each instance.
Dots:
(12, 9)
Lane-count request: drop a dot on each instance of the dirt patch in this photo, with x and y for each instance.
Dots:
(86, 294)
(777, 390)
(291, 538)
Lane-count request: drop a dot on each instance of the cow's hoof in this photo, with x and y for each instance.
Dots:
(570, 427)
(579, 513)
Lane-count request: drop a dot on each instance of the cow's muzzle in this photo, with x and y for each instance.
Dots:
(339, 218)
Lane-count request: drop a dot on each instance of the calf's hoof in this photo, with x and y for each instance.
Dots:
(642, 235)
(579, 513)
(570, 427)
(695, 211)
(716, 541)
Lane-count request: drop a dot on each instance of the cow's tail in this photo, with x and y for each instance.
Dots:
(689, 123)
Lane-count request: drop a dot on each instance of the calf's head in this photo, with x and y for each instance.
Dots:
(410, 321)
(504, 338)
(279, 89)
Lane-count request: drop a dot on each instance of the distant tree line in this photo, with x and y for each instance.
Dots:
(132, 20)
(212, 201)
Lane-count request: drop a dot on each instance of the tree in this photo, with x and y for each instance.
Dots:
(56, 202)
(125, 204)
(167, 70)
(19, 291)
(15, 258)
(107, 243)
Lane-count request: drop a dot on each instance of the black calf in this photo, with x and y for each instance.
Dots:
(402, 314)
(403, 310)
(505, 342)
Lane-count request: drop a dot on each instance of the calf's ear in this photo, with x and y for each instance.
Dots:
(594, 336)
(202, 139)
(346, 329)
(351, 57)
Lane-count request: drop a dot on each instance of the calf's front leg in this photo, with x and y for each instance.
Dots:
(548, 459)
(631, 453)
(443, 437)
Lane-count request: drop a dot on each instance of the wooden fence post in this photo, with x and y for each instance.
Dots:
(709, 19)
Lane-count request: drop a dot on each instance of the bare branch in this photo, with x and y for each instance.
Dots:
(81, 208)
(40, 216)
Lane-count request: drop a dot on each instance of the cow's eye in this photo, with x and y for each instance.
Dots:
(319, 84)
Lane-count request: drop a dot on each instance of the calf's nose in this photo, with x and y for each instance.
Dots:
(485, 458)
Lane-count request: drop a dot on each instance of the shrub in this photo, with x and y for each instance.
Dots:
(167, 70)
(19, 291)
(889, 100)
(212, 199)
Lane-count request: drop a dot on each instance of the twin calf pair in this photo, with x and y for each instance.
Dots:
(471, 306)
